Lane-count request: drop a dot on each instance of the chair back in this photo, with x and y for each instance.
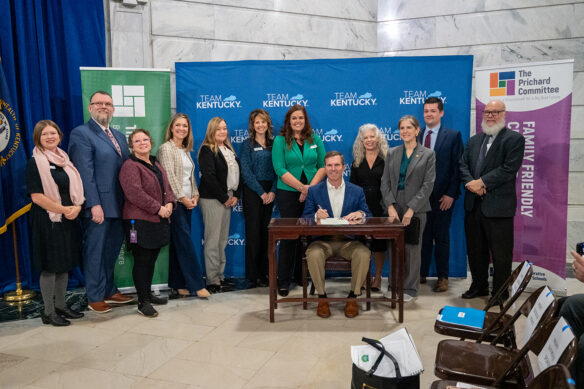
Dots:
(547, 333)
(538, 308)
(517, 281)
(554, 377)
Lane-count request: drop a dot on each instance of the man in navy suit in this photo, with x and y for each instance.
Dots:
(447, 145)
(98, 152)
(488, 170)
(334, 197)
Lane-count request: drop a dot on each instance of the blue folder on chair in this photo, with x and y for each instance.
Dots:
(468, 317)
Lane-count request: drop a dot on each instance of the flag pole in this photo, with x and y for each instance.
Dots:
(19, 294)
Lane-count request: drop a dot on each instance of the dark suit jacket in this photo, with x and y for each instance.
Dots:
(214, 175)
(318, 195)
(448, 149)
(499, 172)
(419, 178)
(95, 157)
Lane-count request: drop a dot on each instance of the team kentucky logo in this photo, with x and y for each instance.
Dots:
(218, 101)
(353, 99)
(9, 132)
(277, 100)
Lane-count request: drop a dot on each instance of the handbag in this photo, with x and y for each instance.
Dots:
(412, 231)
(366, 380)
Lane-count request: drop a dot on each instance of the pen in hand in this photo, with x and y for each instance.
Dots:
(323, 214)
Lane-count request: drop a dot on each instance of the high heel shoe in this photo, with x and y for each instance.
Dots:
(203, 293)
(54, 319)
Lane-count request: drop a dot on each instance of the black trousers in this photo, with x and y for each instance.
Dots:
(436, 236)
(290, 252)
(257, 217)
(143, 271)
(488, 237)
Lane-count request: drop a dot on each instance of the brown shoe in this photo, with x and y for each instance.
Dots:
(100, 307)
(119, 298)
(351, 309)
(422, 280)
(323, 310)
(441, 285)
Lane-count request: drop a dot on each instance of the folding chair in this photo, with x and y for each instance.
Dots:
(554, 377)
(494, 321)
(487, 364)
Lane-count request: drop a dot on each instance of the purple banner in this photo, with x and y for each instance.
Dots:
(539, 100)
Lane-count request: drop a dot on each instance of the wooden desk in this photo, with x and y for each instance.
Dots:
(377, 227)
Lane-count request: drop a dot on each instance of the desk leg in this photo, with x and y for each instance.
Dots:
(272, 274)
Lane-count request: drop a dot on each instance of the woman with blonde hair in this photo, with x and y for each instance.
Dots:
(369, 151)
(56, 190)
(185, 277)
(220, 189)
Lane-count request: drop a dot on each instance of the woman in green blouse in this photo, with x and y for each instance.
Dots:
(298, 158)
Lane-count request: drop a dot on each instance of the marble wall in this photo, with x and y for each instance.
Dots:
(157, 33)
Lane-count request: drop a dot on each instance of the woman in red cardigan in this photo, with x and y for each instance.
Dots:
(148, 204)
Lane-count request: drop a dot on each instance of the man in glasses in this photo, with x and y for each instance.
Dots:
(488, 169)
(98, 151)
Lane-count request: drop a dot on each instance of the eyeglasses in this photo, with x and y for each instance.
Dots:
(492, 113)
(100, 103)
(146, 140)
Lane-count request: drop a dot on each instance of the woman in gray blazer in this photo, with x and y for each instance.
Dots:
(406, 185)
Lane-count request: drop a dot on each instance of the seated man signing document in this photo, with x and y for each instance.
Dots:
(336, 198)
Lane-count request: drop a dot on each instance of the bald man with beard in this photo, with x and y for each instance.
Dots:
(488, 170)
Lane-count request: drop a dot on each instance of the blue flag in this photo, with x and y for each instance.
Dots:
(13, 161)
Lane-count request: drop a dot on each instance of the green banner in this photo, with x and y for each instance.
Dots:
(141, 100)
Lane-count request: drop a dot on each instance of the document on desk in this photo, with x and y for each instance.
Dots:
(399, 344)
(332, 221)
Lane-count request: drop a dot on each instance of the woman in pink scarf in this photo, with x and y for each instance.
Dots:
(56, 190)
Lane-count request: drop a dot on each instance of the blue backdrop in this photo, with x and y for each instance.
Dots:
(340, 95)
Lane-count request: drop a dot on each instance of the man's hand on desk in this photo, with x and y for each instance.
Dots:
(353, 216)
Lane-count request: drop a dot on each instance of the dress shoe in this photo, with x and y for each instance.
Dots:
(262, 282)
(119, 298)
(351, 308)
(100, 307)
(423, 280)
(146, 309)
(203, 293)
(441, 285)
(214, 288)
(323, 310)
(228, 282)
(68, 313)
(157, 300)
(472, 293)
(54, 319)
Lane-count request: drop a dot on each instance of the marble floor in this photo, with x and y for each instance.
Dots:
(223, 342)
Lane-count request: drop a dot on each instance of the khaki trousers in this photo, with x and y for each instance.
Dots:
(354, 251)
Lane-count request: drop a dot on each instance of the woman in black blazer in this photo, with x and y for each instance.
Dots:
(219, 191)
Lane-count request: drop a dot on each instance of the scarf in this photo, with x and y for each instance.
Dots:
(43, 158)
